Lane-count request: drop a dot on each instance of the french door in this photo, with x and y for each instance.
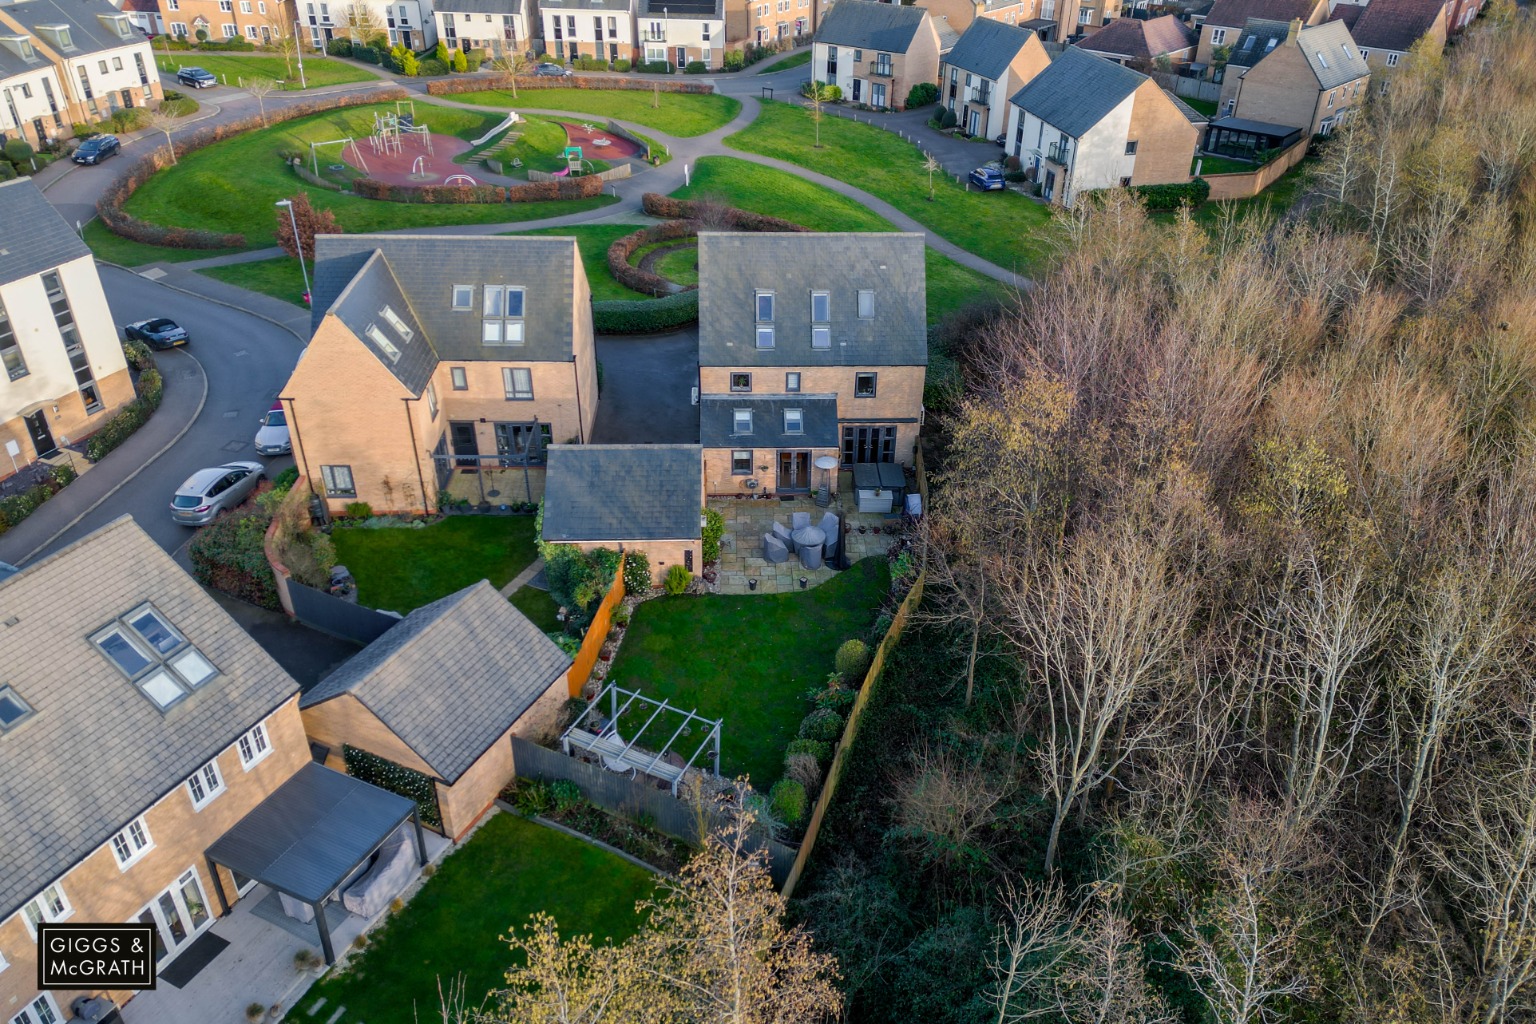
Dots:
(794, 471)
(178, 914)
(869, 444)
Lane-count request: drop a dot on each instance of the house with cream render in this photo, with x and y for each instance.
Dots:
(990, 63)
(682, 31)
(64, 373)
(102, 62)
(496, 26)
(590, 28)
(32, 97)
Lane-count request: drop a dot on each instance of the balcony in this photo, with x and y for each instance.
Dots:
(1059, 153)
(982, 97)
(878, 69)
(648, 36)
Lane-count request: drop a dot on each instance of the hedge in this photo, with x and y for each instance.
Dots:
(396, 778)
(633, 277)
(922, 94)
(646, 316)
(133, 416)
(1171, 197)
(667, 208)
(16, 507)
(229, 555)
(309, 177)
(534, 192)
(448, 86)
(110, 206)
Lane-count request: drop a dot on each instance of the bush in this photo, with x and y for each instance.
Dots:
(359, 510)
(804, 769)
(696, 67)
(837, 698)
(7, 172)
(448, 86)
(822, 724)
(677, 580)
(851, 660)
(637, 572)
(16, 507)
(564, 795)
(19, 151)
(396, 778)
(734, 61)
(368, 55)
(134, 415)
(440, 52)
(646, 316)
(654, 67)
(228, 555)
(534, 192)
(622, 66)
(339, 47)
(578, 579)
(410, 67)
(922, 94)
(821, 750)
(432, 66)
(461, 61)
(531, 797)
(788, 801)
(713, 530)
(1171, 197)
(947, 119)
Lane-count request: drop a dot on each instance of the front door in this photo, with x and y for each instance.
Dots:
(178, 914)
(794, 471)
(973, 126)
(465, 446)
(42, 437)
(858, 89)
(682, 57)
(1050, 185)
(877, 95)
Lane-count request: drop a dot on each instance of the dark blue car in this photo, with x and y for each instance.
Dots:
(157, 333)
(96, 149)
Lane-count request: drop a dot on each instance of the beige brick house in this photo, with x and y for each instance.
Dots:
(256, 21)
(436, 356)
(810, 345)
(990, 63)
(1387, 29)
(876, 52)
(1312, 78)
(442, 693)
(1227, 19)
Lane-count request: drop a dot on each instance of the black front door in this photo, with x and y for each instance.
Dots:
(464, 444)
(42, 437)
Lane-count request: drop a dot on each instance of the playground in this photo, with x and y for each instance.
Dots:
(398, 151)
(596, 143)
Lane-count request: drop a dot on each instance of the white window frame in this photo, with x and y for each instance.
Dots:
(386, 347)
(393, 319)
(46, 912)
(212, 782)
(431, 400)
(49, 1013)
(250, 31)
(792, 382)
(458, 377)
(131, 843)
(798, 418)
(866, 302)
(1392, 59)
(254, 746)
(463, 298)
(497, 326)
(765, 336)
(1218, 36)
(736, 457)
(173, 666)
(4, 963)
(757, 306)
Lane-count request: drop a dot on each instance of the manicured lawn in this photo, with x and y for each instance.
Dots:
(749, 659)
(680, 265)
(788, 62)
(231, 185)
(229, 69)
(1002, 227)
(539, 148)
(1221, 165)
(680, 114)
(279, 278)
(510, 869)
(539, 607)
(402, 569)
(115, 249)
(1206, 107)
(593, 240)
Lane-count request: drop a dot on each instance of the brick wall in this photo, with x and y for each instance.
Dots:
(720, 481)
(1165, 140)
(1247, 185)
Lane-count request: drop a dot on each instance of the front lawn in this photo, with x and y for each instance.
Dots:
(230, 69)
(1003, 228)
(279, 277)
(593, 240)
(680, 114)
(400, 569)
(231, 185)
(511, 868)
(749, 659)
(796, 61)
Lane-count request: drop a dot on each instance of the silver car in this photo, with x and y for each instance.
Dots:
(209, 493)
(272, 438)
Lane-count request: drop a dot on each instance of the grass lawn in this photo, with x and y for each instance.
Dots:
(123, 251)
(788, 62)
(279, 278)
(593, 240)
(231, 185)
(749, 659)
(1206, 107)
(680, 265)
(538, 606)
(776, 193)
(680, 114)
(1002, 227)
(539, 148)
(1221, 165)
(230, 69)
(400, 570)
(509, 869)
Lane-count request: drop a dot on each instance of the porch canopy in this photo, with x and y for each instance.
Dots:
(1243, 139)
(309, 835)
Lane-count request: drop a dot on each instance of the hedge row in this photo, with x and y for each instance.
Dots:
(15, 508)
(658, 205)
(134, 415)
(1171, 197)
(646, 316)
(229, 554)
(533, 192)
(448, 86)
(110, 206)
(309, 177)
(631, 276)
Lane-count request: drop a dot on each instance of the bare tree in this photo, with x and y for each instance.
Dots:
(279, 26)
(362, 22)
(961, 561)
(931, 165)
(261, 88)
(815, 99)
(164, 121)
(510, 63)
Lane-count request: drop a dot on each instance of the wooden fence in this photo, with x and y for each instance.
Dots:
(597, 634)
(611, 174)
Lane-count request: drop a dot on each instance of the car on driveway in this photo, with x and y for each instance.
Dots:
(197, 78)
(156, 333)
(988, 179)
(547, 70)
(209, 493)
(273, 437)
(96, 149)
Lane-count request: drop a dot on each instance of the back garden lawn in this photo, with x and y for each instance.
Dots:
(402, 568)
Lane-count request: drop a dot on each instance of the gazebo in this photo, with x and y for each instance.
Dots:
(607, 739)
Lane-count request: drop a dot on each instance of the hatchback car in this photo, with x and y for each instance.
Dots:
(197, 78)
(548, 70)
(272, 438)
(988, 179)
(156, 333)
(96, 149)
(209, 493)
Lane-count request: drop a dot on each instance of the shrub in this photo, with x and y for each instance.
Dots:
(368, 55)
(534, 192)
(654, 67)
(410, 67)
(646, 316)
(432, 66)
(137, 354)
(530, 797)
(821, 750)
(804, 769)
(851, 660)
(822, 724)
(713, 530)
(461, 61)
(637, 572)
(696, 67)
(19, 151)
(396, 778)
(448, 86)
(621, 66)
(440, 52)
(564, 795)
(228, 555)
(339, 47)
(734, 61)
(788, 801)
(1171, 197)
(922, 94)
(947, 119)
(133, 416)
(359, 510)
(677, 580)
(7, 172)
(620, 616)
(835, 698)
(83, 130)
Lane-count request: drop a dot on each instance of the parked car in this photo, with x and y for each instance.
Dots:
(157, 333)
(1001, 140)
(988, 179)
(272, 438)
(197, 78)
(209, 493)
(96, 149)
(547, 70)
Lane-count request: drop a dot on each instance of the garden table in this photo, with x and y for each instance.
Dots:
(808, 543)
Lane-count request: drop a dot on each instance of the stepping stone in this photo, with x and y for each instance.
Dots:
(316, 1008)
(337, 1015)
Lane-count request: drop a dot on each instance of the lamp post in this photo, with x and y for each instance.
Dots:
(298, 48)
(298, 243)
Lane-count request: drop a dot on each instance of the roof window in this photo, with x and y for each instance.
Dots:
(13, 710)
(154, 655)
(378, 337)
(400, 326)
(21, 46)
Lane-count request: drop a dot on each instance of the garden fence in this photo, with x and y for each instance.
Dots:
(597, 634)
(332, 615)
(1189, 88)
(611, 174)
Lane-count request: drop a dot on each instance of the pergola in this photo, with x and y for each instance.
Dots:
(309, 835)
(621, 755)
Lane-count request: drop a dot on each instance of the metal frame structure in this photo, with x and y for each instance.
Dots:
(344, 143)
(621, 755)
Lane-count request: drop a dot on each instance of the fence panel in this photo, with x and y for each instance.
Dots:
(1189, 88)
(339, 618)
(597, 635)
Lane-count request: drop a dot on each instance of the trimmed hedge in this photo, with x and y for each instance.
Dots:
(134, 415)
(396, 778)
(922, 94)
(1171, 197)
(310, 178)
(110, 206)
(631, 276)
(696, 67)
(229, 555)
(646, 316)
(15, 508)
(445, 87)
(657, 205)
(533, 192)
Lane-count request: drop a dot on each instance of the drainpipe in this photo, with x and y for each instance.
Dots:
(426, 506)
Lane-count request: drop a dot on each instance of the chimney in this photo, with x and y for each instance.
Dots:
(1290, 33)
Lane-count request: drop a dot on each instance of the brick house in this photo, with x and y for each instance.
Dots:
(1087, 123)
(196, 726)
(1227, 18)
(682, 31)
(772, 22)
(1143, 44)
(813, 344)
(256, 21)
(442, 693)
(64, 370)
(876, 52)
(1311, 79)
(101, 61)
(436, 355)
(587, 28)
(962, 14)
(1387, 29)
(496, 26)
(991, 62)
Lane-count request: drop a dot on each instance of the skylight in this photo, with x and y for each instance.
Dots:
(12, 708)
(386, 346)
(400, 326)
(154, 655)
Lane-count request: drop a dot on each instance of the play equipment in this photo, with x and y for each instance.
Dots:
(511, 119)
(459, 179)
(314, 160)
(388, 129)
(572, 156)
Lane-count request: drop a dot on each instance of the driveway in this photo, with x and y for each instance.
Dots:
(647, 395)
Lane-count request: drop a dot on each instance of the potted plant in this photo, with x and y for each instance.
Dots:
(306, 960)
(255, 1012)
(276, 1011)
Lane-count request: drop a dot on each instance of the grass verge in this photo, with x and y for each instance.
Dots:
(279, 278)
(401, 569)
(798, 60)
(681, 115)
(229, 69)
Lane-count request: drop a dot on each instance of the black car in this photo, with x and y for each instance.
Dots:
(197, 78)
(547, 70)
(96, 149)
(157, 333)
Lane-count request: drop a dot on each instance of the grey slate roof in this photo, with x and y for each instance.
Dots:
(1259, 37)
(1235, 13)
(427, 267)
(361, 305)
(480, 7)
(452, 676)
(585, 5)
(866, 25)
(717, 421)
(987, 48)
(733, 265)
(1332, 54)
(622, 492)
(87, 32)
(1191, 115)
(1393, 24)
(36, 238)
(690, 10)
(96, 752)
(1077, 91)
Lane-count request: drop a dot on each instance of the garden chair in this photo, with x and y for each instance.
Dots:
(775, 551)
(829, 525)
(782, 533)
(799, 521)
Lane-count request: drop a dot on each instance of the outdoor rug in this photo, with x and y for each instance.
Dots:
(197, 956)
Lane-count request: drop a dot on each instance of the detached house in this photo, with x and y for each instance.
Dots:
(436, 355)
(1143, 44)
(1387, 29)
(102, 62)
(991, 62)
(876, 52)
(590, 28)
(1225, 22)
(1086, 123)
(64, 370)
(498, 27)
(810, 346)
(1311, 79)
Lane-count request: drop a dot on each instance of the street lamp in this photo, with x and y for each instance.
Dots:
(298, 243)
(298, 48)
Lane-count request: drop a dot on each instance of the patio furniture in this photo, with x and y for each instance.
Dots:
(395, 865)
(775, 551)
(782, 533)
(296, 909)
(799, 521)
(808, 544)
(830, 526)
(878, 486)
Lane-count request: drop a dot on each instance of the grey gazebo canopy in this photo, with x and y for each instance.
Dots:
(309, 835)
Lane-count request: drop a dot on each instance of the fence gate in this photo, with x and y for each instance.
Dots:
(317, 609)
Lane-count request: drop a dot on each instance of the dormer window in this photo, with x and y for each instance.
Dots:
(379, 338)
(21, 46)
(400, 326)
(13, 710)
(146, 648)
(58, 35)
(117, 24)
(501, 309)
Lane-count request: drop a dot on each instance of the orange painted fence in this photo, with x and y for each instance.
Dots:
(597, 634)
